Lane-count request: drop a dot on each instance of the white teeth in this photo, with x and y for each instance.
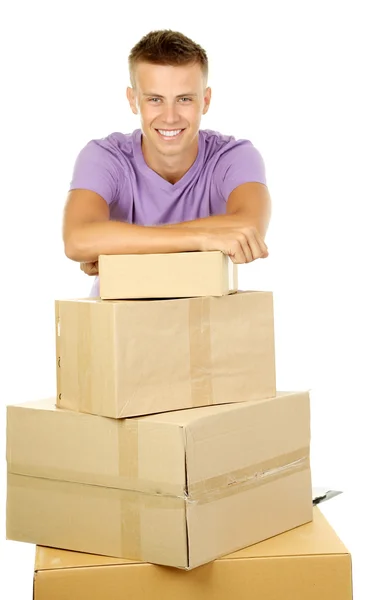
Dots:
(169, 133)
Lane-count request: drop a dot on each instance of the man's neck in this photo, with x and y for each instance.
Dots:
(171, 168)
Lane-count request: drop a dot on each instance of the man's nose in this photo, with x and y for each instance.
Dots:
(171, 113)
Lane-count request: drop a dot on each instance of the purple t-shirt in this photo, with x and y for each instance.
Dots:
(114, 167)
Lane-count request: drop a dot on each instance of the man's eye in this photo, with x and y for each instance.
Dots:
(187, 99)
(153, 100)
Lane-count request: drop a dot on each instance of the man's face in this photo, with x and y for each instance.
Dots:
(171, 102)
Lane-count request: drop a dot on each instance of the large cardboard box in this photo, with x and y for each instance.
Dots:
(307, 563)
(174, 275)
(177, 489)
(135, 357)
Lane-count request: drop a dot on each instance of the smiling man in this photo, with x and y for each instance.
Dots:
(168, 186)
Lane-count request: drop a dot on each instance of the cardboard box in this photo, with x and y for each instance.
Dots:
(134, 357)
(177, 489)
(174, 275)
(306, 563)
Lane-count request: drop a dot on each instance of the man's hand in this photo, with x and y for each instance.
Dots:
(243, 244)
(90, 268)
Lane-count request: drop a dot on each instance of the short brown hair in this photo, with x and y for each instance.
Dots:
(167, 47)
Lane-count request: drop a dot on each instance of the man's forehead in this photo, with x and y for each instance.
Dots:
(187, 75)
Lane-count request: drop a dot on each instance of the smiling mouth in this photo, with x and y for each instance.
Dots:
(169, 134)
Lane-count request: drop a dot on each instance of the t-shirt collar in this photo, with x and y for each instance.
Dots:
(152, 175)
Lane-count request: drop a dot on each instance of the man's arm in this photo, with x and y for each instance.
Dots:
(89, 232)
(248, 212)
(249, 205)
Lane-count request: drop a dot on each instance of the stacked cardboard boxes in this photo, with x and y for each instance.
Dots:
(167, 442)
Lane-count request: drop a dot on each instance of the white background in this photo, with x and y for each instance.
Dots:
(299, 79)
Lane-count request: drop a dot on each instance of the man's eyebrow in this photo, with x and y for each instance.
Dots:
(192, 94)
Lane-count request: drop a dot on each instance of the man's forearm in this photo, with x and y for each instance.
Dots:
(87, 242)
(226, 220)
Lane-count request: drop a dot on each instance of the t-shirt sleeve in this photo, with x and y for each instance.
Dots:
(242, 163)
(95, 170)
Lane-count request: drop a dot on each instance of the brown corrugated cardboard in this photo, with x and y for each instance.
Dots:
(178, 489)
(134, 357)
(174, 275)
(307, 563)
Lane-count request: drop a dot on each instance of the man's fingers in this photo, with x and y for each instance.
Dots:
(263, 247)
(257, 245)
(236, 252)
(89, 268)
(247, 250)
(255, 249)
(241, 245)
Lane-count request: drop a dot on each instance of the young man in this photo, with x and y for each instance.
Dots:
(168, 186)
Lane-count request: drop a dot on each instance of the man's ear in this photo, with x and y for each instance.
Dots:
(207, 99)
(131, 96)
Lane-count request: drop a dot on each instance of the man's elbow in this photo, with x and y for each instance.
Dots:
(71, 250)
(75, 249)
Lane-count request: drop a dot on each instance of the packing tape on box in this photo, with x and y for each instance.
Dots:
(144, 520)
(134, 467)
(255, 475)
(128, 455)
(76, 344)
(200, 491)
(200, 351)
(90, 327)
(130, 525)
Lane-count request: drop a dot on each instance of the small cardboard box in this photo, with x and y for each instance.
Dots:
(177, 489)
(307, 563)
(173, 275)
(135, 357)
